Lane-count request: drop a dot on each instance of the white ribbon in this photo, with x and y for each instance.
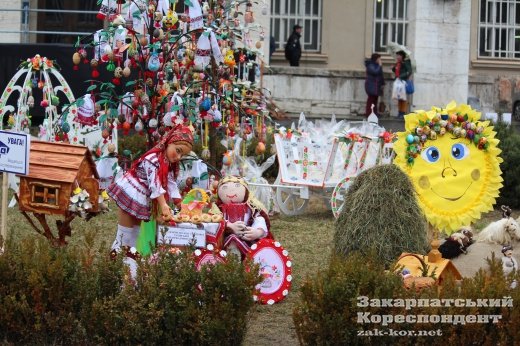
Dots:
(163, 6)
(217, 54)
(195, 13)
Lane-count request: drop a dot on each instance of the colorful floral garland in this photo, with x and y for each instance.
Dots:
(384, 137)
(288, 133)
(38, 63)
(455, 124)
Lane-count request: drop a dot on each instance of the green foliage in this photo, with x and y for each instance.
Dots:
(175, 304)
(272, 171)
(381, 213)
(76, 295)
(510, 146)
(46, 292)
(132, 143)
(327, 313)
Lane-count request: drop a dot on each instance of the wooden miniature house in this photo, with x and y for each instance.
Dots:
(55, 170)
(441, 266)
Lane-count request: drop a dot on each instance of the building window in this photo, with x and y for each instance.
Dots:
(70, 19)
(44, 195)
(499, 29)
(287, 13)
(390, 23)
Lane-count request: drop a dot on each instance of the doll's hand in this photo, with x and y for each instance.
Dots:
(251, 234)
(236, 227)
(166, 213)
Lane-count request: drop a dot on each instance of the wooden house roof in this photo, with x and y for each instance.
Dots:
(441, 267)
(58, 161)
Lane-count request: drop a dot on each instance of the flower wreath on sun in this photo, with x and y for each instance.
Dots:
(453, 161)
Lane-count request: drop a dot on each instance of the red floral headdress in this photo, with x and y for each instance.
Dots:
(179, 133)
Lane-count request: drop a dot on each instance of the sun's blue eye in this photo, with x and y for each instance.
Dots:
(431, 154)
(459, 151)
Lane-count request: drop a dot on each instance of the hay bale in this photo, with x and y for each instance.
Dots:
(381, 213)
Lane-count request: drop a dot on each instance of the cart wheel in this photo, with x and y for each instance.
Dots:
(290, 202)
(337, 200)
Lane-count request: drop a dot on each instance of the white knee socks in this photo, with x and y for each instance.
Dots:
(132, 267)
(126, 236)
(136, 230)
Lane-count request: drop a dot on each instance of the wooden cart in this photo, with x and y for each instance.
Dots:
(325, 169)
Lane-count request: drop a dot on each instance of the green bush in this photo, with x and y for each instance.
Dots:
(46, 292)
(381, 213)
(174, 304)
(510, 145)
(78, 296)
(327, 312)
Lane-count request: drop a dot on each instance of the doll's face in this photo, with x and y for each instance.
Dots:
(508, 253)
(176, 150)
(232, 192)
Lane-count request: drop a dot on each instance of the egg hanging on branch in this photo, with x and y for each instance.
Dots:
(205, 154)
(76, 59)
(260, 148)
(126, 72)
(138, 126)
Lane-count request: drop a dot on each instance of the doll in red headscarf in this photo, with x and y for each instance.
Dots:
(146, 188)
(246, 218)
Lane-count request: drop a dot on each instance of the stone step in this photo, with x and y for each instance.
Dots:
(388, 122)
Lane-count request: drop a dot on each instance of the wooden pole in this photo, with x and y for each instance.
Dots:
(434, 255)
(5, 188)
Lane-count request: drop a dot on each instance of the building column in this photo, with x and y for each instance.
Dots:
(438, 36)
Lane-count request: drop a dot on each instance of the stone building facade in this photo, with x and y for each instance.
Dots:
(465, 50)
(449, 44)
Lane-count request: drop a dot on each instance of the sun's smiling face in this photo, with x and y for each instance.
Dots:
(450, 173)
(456, 178)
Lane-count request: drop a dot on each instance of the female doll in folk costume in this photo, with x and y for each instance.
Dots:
(246, 219)
(509, 263)
(144, 191)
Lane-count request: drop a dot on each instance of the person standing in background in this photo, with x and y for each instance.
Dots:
(293, 48)
(402, 70)
(374, 82)
(272, 46)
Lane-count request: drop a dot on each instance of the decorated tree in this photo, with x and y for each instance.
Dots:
(160, 63)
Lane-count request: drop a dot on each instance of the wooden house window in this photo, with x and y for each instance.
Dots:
(44, 195)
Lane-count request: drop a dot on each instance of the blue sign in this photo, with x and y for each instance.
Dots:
(4, 149)
(14, 152)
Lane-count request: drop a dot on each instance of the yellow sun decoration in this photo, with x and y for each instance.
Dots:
(453, 161)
